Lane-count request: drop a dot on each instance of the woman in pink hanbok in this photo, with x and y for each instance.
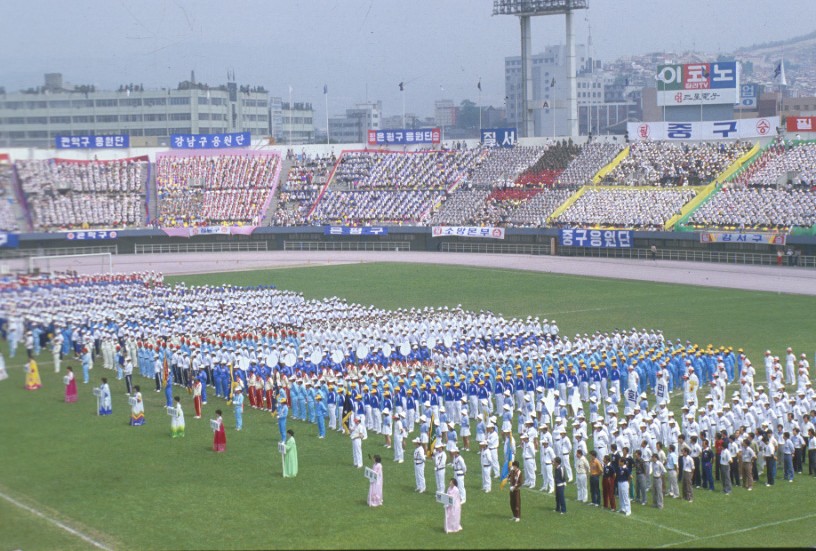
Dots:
(375, 488)
(453, 512)
(70, 385)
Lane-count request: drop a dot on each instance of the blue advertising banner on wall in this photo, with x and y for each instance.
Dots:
(210, 141)
(92, 142)
(499, 137)
(602, 239)
(347, 230)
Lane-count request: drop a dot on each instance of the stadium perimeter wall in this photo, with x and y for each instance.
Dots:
(527, 240)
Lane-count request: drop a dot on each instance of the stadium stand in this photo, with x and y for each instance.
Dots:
(500, 166)
(383, 187)
(305, 179)
(205, 190)
(671, 164)
(642, 209)
(8, 209)
(463, 207)
(383, 170)
(547, 169)
(374, 207)
(67, 194)
(593, 157)
(776, 192)
(535, 212)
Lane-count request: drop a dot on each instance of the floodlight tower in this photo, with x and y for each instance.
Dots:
(524, 10)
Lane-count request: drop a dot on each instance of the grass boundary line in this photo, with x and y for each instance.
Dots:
(664, 527)
(56, 522)
(740, 531)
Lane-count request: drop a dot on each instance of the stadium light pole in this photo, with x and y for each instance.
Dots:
(524, 10)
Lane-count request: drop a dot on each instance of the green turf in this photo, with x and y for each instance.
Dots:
(136, 488)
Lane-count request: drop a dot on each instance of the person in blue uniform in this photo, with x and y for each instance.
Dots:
(283, 414)
(320, 416)
(238, 407)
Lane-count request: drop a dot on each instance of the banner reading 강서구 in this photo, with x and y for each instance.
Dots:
(210, 141)
(467, 231)
(404, 136)
(698, 84)
(735, 237)
(603, 239)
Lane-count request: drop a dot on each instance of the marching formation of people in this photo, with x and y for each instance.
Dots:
(447, 380)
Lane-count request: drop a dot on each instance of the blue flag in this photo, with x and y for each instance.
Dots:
(508, 460)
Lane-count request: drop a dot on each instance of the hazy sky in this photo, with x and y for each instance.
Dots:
(360, 48)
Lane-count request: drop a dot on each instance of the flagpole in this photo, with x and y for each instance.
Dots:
(291, 117)
(326, 94)
(480, 108)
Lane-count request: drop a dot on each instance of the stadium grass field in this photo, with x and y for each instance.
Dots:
(136, 488)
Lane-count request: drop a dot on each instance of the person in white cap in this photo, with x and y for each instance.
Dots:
(566, 449)
(768, 366)
(399, 437)
(459, 470)
(528, 453)
(357, 442)
(547, 458)
(487, 464)
(790, 367)
(419, 466)
(493, 448)
(439, 462)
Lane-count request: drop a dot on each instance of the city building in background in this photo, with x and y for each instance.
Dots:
(353, 127)
(35, 117)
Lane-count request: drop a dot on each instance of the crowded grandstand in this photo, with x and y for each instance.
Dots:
(647, 186)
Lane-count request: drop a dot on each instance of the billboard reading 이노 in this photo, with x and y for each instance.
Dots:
(698, 84)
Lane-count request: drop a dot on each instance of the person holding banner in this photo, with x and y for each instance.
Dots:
(453, 511)
(104, 398)
(290, 457)
(177, 419)
(137, 418)
(375, 487)
(70, 385)
(219, 434)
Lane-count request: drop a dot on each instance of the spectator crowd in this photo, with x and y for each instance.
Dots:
(641, 209)
(670, 164)
(206, 190)
(63, 195)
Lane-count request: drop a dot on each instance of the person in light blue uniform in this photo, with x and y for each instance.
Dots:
(238, 408)
(283, 414)
(86, 365)
(168, 389)
(202, 376)
(320, 416)
(309, 395)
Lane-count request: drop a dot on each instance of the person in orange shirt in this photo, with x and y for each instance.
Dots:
(595, 473)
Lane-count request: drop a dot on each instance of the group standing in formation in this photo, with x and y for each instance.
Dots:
(443, 379)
